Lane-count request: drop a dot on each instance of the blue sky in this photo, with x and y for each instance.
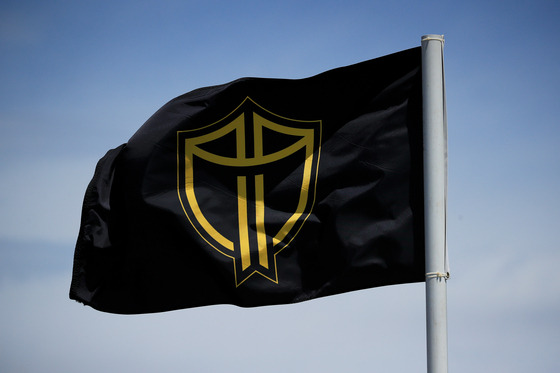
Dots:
(78, 78)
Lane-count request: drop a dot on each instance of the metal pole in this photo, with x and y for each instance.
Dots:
(435, 201)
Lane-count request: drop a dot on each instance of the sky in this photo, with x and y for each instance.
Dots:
(78, 78)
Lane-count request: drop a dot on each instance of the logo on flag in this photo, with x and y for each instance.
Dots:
(235, 181)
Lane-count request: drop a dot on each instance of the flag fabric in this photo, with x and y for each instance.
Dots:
(261, 192)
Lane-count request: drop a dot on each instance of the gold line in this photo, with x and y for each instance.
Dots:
(191, 198)
(261, 233)
(187, 215)
(240, 140)
(242, 161)
(303, 196)
(257, 130)
(314, 193)
(235, 124)
(243, 223)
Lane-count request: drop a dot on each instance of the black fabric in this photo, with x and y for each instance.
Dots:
(141, 248)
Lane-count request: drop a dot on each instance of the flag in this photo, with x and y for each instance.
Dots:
(261, 192)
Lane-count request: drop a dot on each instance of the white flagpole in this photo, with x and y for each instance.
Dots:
(435, 174)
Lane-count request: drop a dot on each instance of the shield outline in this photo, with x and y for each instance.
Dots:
(310, 132)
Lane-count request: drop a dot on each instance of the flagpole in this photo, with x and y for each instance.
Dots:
(435, 144)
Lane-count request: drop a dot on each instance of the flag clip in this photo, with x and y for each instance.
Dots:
(438, 275)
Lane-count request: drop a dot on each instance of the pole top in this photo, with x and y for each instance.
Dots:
(432, 37)
(428, 37)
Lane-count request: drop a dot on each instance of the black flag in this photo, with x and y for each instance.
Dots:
(261, 192)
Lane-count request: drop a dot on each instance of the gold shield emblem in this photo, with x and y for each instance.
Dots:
(247, 184)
